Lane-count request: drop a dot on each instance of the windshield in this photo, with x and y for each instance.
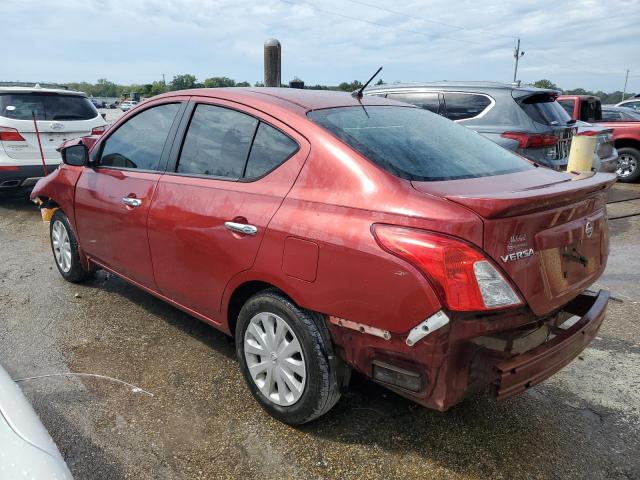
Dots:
(415, 144)
(543, 108)
(46, 106)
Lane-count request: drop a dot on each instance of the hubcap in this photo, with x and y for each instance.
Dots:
(61, 246)
(274, 358)
(627, 164)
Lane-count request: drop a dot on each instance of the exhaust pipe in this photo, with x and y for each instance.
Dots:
(10, 183)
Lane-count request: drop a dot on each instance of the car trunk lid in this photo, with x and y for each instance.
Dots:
(545, 231)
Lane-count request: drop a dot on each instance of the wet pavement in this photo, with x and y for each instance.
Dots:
(191, 416)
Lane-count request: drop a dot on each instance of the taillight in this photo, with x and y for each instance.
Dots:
(10, 135)
(589, 133)
(98, 130)
(462, 276)
(527, 140)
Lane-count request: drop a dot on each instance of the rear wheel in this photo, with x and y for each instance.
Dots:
(65, 249)
(285, 354)
(628, 164)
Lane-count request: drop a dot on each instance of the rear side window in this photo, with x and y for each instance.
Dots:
(543, 108)
(217, 142)
(138, 143)
(568, 106)
(270, 148)
(46, 106)
(428, 101)
(414, 144)
(634, 105)
(462, 106)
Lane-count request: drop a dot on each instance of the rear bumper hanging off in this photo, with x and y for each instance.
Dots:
(530, 368)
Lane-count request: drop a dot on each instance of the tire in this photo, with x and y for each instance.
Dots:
(283, 398)
(65, 249)
(628, 164)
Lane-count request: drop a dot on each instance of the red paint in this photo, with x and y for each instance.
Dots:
(300, 259)
(314, 216)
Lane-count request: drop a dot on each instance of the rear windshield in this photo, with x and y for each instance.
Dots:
(46, 106)
(416, 144)
(543, 108)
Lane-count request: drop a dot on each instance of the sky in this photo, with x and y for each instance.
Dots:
(577, 43)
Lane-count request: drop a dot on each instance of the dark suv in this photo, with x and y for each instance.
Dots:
(527, 120)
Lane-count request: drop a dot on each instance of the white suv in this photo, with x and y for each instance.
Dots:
(60, 115)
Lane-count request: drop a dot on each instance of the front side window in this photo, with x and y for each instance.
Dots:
(138, 143)
(217, 142)
(428, 101)
(461, 106)
(46, 106)
(611, 115)
(415, 144)
(634, 105)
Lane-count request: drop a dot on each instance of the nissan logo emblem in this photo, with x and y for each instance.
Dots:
(56, 126)
(588, 229)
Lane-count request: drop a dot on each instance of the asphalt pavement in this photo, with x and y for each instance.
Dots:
(185, 413)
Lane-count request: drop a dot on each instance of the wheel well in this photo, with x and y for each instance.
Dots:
(627, 143)
(239, 297)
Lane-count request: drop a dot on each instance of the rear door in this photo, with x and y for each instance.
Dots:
(231, 172)
(113, 199)
(59, 117)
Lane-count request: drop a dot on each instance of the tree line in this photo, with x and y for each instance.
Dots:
(605, 98)
(106, 88)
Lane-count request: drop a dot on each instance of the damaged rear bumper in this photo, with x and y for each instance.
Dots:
(530, 368)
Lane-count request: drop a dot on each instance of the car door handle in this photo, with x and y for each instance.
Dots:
(131, 202)
(241, 228)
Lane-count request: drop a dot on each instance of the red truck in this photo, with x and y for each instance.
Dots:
(626, 133)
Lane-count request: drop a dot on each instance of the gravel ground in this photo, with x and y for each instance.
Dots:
(199, 421)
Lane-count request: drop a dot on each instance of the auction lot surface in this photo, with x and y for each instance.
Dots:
(201, 422)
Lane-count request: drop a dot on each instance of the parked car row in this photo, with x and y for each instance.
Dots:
(59, 115)
(526, 120)
(621, 121)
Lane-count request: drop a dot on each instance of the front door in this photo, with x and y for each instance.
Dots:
(211, 211)
(113, 198)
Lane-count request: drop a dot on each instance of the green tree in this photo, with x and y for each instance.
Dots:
(544, 83)
(243, 84)
(350, 87)
(183, 82)
(380, 82)
(158, 87)
(258, 84)
(217, 82)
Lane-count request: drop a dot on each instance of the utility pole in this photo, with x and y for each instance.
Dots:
(163, 81)
(624, 90)
(517, 54)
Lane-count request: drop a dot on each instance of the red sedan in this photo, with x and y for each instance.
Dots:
(327, 232)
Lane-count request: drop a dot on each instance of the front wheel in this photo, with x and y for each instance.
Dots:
(65, 249)
(628, 164)
(285, 355)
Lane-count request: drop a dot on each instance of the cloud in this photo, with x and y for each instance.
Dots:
(574, 43)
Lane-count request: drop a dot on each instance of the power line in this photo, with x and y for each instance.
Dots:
(423, 19)
(391, 27)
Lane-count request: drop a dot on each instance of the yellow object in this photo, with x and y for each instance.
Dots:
(581, 155)
(47, 213)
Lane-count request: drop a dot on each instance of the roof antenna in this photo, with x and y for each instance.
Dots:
(358, 93)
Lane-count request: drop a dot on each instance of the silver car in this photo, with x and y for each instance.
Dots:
(526, 120)
(26, 449)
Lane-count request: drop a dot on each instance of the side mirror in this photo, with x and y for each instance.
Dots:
(76, 155)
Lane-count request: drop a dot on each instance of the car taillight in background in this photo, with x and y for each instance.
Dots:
(10, 135)
(589, 133)
(98, 130)
(463, 277)
(527, 140)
